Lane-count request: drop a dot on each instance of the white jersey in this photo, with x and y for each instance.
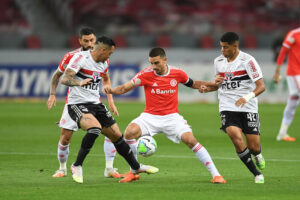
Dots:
(85, 67)
(240, 77)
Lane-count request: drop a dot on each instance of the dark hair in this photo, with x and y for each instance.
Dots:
(157, 51)
(229, 37)
(106, 40)
(86, 31)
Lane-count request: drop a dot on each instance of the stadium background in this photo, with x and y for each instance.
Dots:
(34, 36)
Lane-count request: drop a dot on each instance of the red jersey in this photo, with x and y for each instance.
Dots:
(161, 91)
(66, 59)
(291, 45)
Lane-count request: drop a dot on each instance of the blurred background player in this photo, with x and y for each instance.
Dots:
(290, 46)
(84, 75)
(87, 40)
(160, 82)
(242, 82)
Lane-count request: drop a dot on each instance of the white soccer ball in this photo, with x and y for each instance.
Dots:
(146, 146)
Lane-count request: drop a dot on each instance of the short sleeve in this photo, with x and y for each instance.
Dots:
(289, 40)
(75, 63)
(64, 62)
(253, 70)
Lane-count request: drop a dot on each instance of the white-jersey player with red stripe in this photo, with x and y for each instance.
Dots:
(239, 79)
(290, 47)
(160, 83)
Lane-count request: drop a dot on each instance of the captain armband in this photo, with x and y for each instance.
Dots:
(189, 83)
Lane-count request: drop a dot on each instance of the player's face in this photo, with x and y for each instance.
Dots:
(87, 42)
(158, 64)
(228, 50)
(104, 53)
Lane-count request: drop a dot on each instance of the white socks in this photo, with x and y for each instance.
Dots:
(205, 158)
(110, 153)
(62, 155)
(133, 145)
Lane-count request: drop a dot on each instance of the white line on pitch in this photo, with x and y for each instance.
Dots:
(159, 156)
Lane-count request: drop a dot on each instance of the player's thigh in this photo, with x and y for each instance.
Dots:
(88, 120)
(236, 136)
(293, 85)
(133, 131)
(145, 124)
(66, 122)
(113, 132)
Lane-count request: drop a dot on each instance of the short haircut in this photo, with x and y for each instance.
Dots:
(229, 37)
(157, 51)
(86, 31)
(106, 41)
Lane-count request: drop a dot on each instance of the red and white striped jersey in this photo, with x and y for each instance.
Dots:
(66, 59)
(85, 67)
(161, 91)
(240, 76)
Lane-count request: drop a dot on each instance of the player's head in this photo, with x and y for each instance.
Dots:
(229, 44)
(87, 38)
(158, 60)
(103, 48)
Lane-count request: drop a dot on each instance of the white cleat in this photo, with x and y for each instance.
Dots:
(259, 179)
(77, 173)
(146, 169)
(112, 173)
(60, 173)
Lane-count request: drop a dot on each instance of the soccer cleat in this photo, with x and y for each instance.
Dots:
(146, 169)
(77, 173)
(285, 137)
(60, 173)
(218, 179)
(260, 161)
(259, 179)
(112, 173)
(129, 176)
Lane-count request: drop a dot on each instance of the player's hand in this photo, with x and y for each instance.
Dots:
(219, 79)
(203, 89)
(87, 81)
(106, 89)
(276, 77)
(114, 109)
(51, 101)
(240, 102)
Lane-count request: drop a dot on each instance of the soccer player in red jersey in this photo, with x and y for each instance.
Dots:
(87, 40)
(290, 46)
(161, 115)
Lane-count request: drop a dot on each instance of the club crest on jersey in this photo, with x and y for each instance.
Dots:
(96, 76)
(228, 76)
(173, 82)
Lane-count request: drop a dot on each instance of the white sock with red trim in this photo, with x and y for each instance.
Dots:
(110, 153)
(204, 157)
(133, 145)
(62, 155)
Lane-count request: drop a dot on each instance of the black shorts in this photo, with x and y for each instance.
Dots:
(98, 110)
(247, 121)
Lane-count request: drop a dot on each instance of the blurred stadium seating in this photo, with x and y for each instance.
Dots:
(144, 23)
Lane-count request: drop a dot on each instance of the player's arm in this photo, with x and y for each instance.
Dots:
(122, 89)
(283, 52)
(112, 106)
(68, 79)
(260, 88)
(54, 82)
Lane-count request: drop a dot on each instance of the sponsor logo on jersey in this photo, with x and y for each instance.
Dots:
(173, 82)
(230, 85)
(158, 91)
(154, 84)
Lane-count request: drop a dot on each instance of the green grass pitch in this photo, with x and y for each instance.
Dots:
(28, 145)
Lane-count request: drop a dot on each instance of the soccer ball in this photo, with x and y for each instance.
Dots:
(146, 146)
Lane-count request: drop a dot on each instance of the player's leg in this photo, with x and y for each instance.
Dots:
(63, 152)
(290, 109)
(253, 143)
(110, 154)
(203, 155)
(132, 132)
(235, 134)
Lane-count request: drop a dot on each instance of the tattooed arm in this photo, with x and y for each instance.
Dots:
(68, 79)
(54, 82)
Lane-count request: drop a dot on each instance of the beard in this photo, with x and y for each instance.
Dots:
(86, 48)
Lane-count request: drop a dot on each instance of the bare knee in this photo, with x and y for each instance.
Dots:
(66, 136)
(189, 139)
(132, 131)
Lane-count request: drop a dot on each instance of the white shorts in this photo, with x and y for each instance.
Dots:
(66, 121)
(172, 125)
(293, 84)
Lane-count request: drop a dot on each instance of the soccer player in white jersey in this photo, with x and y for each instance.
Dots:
(160, 82)
(83, 75)
(87, 40)
(241, 81)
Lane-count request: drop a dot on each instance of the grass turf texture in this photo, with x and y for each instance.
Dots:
(28, 148)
